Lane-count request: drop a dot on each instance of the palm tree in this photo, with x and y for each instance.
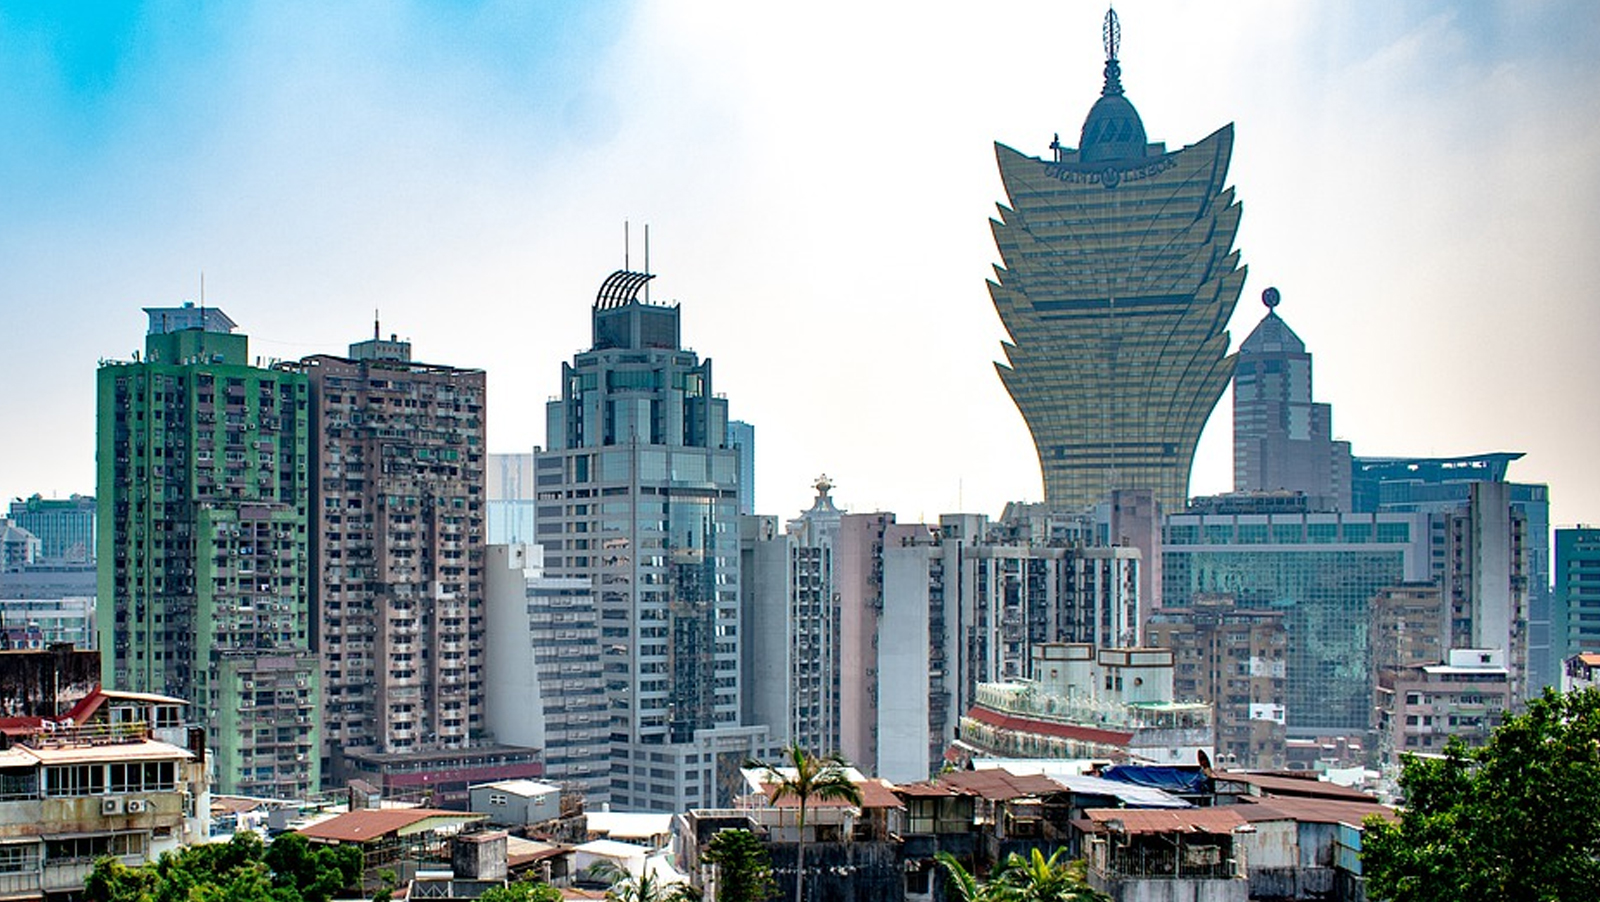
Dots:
(810, 778)
(645, 888)
(1033, 878)
(964, 887)
(1040, 879)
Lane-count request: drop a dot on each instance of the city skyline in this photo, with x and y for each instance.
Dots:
(1419, 183)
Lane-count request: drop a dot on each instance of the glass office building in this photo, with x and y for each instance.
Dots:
(1321, 571)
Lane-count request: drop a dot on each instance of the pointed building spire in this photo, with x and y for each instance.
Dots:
(1111, 36)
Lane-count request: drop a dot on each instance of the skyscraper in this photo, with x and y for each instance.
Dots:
(638, 492)
(202, 545)
(1282, 440)
(398, 452)
(1117, 280)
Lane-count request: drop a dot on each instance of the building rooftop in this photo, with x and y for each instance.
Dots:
(1278, 785)
(1000, 785)
(1223, 819)
(875, 793)
(368, 824)
(527, 789)
(1314, 811)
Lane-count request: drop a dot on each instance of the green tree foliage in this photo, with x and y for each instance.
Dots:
(243, 869)
(1030, 878)
(813, 778)
(522, 891)
(1518, 819)
(744, 868)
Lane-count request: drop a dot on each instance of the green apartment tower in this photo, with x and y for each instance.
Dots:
(202, 545)
(1117, 280)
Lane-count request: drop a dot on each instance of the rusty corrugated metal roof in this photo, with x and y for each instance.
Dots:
(1222, 819)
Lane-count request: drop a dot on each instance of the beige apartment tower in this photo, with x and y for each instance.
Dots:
(398, 554)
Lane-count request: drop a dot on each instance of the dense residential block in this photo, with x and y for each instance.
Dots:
(397, 458)
(1419, 709)
(1237, 661)
(202, 545)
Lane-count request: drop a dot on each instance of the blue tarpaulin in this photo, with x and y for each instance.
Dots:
(1178, 780)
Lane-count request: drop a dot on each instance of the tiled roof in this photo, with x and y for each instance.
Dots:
(929, 789)
(1001, 785)
(370, 823)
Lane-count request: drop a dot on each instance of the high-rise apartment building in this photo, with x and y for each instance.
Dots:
(638, 493)
(1485, 577)
(398, 457)
(65, 527)
(202, 546)
(899, 644)
(1236, 660)
(1410, 626)
(791, 615)
(1018, 596)
(1117, 279)
(1282, 440)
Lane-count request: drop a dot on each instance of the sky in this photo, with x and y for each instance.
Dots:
(1421, 181)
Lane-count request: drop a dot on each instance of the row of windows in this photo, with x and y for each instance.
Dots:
(122, 777)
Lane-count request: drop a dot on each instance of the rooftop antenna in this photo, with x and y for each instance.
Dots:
(647, 261)
(375, 333)
(626, 243)
(202, 292)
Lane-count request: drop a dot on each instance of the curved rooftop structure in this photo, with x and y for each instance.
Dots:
(1113, 129)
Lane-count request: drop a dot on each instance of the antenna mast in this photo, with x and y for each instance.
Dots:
(647, 261)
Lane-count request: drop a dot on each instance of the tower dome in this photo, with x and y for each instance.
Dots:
(1113, 130)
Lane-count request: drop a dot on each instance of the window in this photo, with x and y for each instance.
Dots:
(148, 776)
(19, 858)
(75, 780)
(89, 848)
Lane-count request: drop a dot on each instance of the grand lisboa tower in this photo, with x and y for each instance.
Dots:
(1116, 283)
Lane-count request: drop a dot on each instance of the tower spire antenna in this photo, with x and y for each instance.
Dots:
(1111, 37)
(1111, 34)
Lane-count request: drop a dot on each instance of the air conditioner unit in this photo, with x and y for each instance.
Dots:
(111, 805)
(136, 806)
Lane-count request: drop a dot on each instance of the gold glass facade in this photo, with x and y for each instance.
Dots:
(1117, 280)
